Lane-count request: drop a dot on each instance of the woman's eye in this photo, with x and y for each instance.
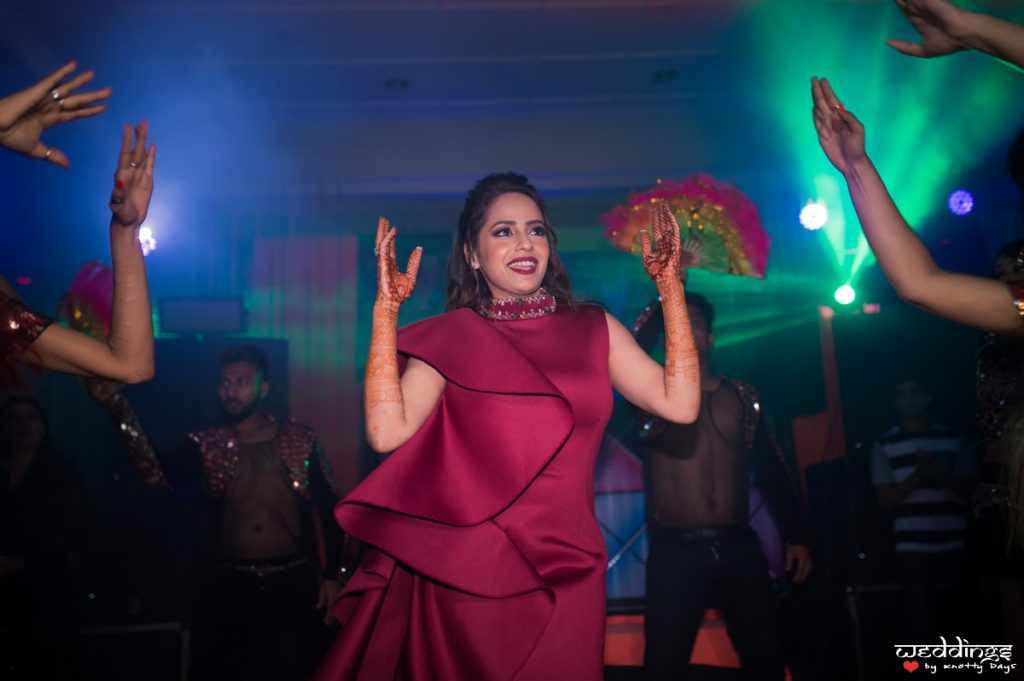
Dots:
(504, 231)
(539, 231)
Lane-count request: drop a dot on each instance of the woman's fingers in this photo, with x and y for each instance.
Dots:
(412, 268)
(384, 249)
(65, 116)
(84, 99)
(65, 89)
(670, 226)
(138, 154)
(392, 257)
(124, 156)
(830, 96)
(150, 161)
(645, 244)
(908, 48)
(44, 87)
(50, 154)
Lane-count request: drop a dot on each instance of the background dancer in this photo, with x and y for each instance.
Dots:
(278, 550)
(704, 554)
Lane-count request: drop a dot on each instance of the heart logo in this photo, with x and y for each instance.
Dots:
(911, 665)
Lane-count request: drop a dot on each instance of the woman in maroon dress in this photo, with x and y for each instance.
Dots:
(486, 561)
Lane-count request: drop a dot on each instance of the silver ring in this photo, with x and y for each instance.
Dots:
(60, 104)
(376, 252)
(49, 154)
(133, 164)
(55, 94)
(116, 200)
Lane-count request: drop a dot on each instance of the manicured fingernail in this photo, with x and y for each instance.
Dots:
(119, 184)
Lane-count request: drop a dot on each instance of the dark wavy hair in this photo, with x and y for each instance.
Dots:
(466, 286)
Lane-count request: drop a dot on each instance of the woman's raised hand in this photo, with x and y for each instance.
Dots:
(25, 115)
(133, 178)
(840, 134)
(665, 261)
(393, 285)
(939, 22)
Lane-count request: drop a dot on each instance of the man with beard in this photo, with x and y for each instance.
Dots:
(278, 550)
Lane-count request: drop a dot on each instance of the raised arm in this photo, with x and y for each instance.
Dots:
(25, 115)
(671, 392)
(946, 28)
(975, 301)
(395, 405)
(127, 356)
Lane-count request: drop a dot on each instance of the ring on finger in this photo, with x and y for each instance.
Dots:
(115, 199)
(48, 154)
(60, 104)
(133, 164)
(55, 94)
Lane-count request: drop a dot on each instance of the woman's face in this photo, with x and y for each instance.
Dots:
(21, 427)
(512, 247)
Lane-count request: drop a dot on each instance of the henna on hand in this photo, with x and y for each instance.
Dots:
(382, 385)
(665, 261)
(663, 266)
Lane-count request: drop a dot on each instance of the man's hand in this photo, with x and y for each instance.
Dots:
(799, 562)
(330, 589)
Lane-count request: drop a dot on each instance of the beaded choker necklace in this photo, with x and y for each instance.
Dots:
(509, 309)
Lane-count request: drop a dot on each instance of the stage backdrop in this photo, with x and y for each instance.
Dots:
(306, 290)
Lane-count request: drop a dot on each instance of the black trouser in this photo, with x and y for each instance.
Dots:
(932, 595)
(686, 575)
(257, 627)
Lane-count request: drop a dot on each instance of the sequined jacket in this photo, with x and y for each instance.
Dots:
(297, 446)
(215, 463)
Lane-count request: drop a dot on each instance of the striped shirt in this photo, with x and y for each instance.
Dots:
(932, 519)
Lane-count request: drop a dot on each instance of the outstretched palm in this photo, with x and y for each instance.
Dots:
(26, 114)
(133, 179)
(840, 134)
(393, 285)
(938, 22)
(665, 261)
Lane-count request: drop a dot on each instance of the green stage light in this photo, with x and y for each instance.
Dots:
(920, 116)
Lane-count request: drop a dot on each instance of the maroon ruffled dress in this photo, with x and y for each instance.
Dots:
(486, 561)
